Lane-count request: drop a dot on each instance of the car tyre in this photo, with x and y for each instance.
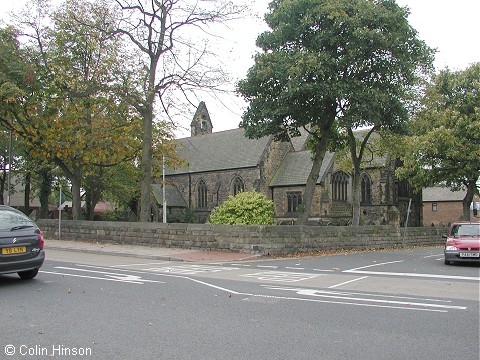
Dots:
(29, 274)
(446, 262)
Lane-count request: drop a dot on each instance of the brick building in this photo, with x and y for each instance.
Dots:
(223, 163)
(442, 206)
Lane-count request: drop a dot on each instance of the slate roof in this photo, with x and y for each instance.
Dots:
(439, 193)
(174, 198)
(296, 167)
(223, 150)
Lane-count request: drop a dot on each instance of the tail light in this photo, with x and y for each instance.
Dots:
(40, 237)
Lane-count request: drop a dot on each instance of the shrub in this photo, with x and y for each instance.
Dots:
(246, 208)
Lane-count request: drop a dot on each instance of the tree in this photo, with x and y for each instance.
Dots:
(327, 66)
(246, 208)
(170, 62)
(443, 146)
(73, 116)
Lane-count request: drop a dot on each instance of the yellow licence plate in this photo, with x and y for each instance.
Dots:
(14, 250)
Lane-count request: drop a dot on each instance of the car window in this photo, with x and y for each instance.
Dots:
(9, 219)
(466, 230)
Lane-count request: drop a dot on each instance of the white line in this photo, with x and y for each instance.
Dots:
(425, 257)
(434, 276)
(313, 292)
(347, 282)
(126, 277)
(380, 264)
(91, 277)
(267, 266)
(323, 270)
(294, 268)
(155, 263)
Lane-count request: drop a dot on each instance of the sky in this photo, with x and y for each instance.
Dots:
(449, 26)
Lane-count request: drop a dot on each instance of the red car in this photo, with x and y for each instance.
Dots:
(463, 243)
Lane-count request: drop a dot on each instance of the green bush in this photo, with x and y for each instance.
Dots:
(246, 208)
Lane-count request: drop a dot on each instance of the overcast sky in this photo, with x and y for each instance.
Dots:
(449, 26)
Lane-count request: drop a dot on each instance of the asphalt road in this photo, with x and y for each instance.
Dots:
(374, 305)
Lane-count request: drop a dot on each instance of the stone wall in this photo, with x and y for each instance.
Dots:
(264, 240)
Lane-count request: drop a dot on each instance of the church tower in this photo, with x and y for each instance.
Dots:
(201, 123)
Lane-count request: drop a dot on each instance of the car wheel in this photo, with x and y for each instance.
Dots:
(446, 262)
(27, 275)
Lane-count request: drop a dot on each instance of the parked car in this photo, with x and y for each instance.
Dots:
(21, 244)
(463, 243)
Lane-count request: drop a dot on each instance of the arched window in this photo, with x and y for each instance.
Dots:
(202, 194)
(340, 186)
(366, 190)
(238, 186)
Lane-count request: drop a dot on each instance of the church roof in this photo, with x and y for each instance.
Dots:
(296, 167)
(223, 150)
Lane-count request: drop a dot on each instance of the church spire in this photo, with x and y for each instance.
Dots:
(201, 123)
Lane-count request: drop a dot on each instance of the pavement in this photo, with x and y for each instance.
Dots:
(155, 253)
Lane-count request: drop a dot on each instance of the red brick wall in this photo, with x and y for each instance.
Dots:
(447, 212)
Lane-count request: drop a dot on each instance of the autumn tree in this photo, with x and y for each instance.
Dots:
(76, 119)
(330, 65)
(171, 62)
(443, 145)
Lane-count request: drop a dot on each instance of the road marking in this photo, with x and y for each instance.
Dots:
(405, 274)
(347, 296)
(323, 270)
(89, 277)
(281, 276)
(190, 269)
(142, 264)
(347, 282)
(267, 267)
(429, 256)
(117, 276)
(294, 268)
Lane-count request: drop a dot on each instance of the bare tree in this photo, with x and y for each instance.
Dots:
(172, 62)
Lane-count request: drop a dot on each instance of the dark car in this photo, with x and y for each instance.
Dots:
(21, 244)
(463, 243)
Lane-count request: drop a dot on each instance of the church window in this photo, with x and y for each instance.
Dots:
(340, 186)
(238, 186)
(294, 200)
(366, 189)
(202, 195)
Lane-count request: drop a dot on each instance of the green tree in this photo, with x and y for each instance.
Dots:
(330, 66)
(73, 116)
(246, 208)
(444, 142)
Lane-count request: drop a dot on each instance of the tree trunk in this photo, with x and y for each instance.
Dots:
(146, 164)
(320, 151)
(356, 194)
(28, 187)
(45, 187)
(467, 200)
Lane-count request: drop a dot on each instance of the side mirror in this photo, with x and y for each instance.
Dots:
(444, 236)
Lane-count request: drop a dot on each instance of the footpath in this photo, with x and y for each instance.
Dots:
(155, 253)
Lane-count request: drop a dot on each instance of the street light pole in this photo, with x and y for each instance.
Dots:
(163, 191)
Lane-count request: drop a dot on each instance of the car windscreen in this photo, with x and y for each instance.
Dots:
(466, 230)
(11, 219)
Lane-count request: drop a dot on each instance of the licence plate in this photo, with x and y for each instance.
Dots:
(14, 250)
(469, 254)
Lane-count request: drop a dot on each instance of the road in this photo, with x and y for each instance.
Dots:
(373, 305)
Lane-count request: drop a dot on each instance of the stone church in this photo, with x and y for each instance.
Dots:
(221, 164)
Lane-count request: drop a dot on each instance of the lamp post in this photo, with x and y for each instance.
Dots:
(163, 191)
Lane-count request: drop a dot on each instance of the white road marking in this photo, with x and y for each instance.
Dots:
(347, 282)
(323, 270)
(429, 256)
(117, 276)
(89, 277)
(142, 264)
(405, 274)
(294, 268)
(281, 276)
(341, 296)
(190, 269)
(267, 267)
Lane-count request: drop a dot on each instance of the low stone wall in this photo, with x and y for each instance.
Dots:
(264, 240)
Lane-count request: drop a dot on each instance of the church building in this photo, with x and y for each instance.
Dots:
(221, 164)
